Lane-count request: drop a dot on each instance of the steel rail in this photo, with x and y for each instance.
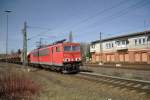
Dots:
(115, 77)
(135, 84)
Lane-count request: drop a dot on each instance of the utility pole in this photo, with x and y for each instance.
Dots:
(25, 60)
(39, 43)
(100, 53)
(70, 37)
(7, 12)
(145, 33)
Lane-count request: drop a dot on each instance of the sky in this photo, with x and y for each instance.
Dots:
(53, 20)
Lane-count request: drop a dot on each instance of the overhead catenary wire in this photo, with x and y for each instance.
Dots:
(105, 10)
(41, 33)
(123, 12)
(118, 14)
(86, 19)
(38, 27)
(119, 32)
(99, 13)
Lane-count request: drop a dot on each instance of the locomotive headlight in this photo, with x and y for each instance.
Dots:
(66, 59)
(78, 59)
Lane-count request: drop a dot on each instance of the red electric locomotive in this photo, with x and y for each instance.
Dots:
(61, 56)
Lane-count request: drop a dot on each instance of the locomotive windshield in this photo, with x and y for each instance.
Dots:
(75, 48)
(71, 48)
(67, 48)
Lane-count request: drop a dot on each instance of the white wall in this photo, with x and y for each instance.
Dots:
(129, 46)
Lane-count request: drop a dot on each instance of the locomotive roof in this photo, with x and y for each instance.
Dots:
(64, 43)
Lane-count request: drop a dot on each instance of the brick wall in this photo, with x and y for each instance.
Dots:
(123, 57)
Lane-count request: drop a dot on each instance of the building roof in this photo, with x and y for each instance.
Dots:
(123, 36)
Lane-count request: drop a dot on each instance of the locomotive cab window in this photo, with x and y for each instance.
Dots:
(75, 48)
(71, 48)
(57, 49)
(67, 48)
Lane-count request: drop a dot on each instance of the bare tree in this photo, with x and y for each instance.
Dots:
(85, 50)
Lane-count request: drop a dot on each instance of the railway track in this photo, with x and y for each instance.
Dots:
(128, 67)
(133, 84)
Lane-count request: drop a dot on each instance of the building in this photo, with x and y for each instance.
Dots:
(129, 48)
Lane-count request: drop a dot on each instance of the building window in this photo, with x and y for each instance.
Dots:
(112, 45)
(135, 41)
(143, 40)
(118, 43)
(140, 41)
(109, 45)
(148, 38)
(106, 45)
(93, 45)
(123, 42)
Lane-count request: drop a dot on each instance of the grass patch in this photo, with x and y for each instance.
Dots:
(17, 86)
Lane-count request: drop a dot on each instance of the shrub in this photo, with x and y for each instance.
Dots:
(17, 86)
